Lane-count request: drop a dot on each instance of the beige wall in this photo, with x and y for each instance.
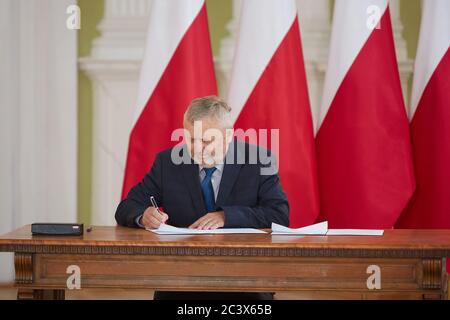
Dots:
(91, 15)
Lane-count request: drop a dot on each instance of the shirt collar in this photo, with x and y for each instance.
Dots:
(219, 167)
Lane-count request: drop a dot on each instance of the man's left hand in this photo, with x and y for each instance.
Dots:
(210, 221)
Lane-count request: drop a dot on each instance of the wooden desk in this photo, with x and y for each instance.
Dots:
(412, 262)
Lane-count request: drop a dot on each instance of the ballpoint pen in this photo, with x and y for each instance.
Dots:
(154, 204)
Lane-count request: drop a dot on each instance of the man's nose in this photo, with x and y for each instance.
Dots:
(199, 145)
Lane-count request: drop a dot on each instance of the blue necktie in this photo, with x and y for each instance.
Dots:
(207, 190)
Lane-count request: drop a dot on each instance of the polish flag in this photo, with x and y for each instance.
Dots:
(177, 67)
(430, 122)
(268, 90)
(364, 155)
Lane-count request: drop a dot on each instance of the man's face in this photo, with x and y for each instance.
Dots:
(207, 141)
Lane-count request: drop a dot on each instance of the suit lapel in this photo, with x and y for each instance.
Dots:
(190, 172)
(230, 174)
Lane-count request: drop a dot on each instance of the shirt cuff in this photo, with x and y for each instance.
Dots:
(138, 218)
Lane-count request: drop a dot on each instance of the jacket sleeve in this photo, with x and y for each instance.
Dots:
(272, 206)
(138, 198)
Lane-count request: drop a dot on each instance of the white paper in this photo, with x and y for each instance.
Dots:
(315, 229)
(321, 229)
(354, 232)
(168, 230)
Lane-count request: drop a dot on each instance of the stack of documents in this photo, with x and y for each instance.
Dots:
(166, 229)
(321, 229)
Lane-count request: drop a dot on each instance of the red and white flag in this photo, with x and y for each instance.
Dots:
(268, 90)
(177, 67)
(430, 121)
(363, 145)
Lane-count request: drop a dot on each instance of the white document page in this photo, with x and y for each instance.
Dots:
(354, 232)
(319, 229)
(166, 229)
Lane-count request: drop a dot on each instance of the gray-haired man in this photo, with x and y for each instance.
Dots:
(211, 181)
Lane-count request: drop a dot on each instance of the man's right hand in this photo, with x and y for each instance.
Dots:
(152, 218)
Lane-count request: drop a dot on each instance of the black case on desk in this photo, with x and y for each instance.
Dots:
(57, 229)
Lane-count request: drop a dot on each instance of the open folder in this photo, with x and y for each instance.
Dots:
(321, 229)
(166, 229)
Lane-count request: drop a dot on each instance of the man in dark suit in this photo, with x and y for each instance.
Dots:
(212, 181)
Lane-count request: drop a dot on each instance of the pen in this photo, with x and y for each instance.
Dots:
(154, 204)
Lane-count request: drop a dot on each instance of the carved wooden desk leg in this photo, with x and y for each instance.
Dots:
(434, 276)
(23, 264)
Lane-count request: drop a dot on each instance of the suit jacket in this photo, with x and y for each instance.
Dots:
(248, 198)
